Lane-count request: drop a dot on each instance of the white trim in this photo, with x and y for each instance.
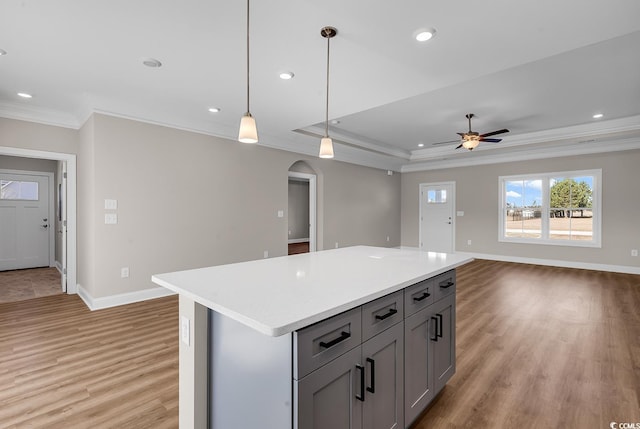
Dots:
(58, 266)
(121, 299)
(555, 263)
(298, 240)
(312, 179)
(70, 159)
(453, 211)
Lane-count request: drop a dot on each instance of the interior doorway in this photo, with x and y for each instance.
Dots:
(62, 221)
(301, 213)
(437, 217)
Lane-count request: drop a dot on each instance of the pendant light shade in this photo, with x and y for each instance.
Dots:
(248, 130)
(326, 148)
(326, 145)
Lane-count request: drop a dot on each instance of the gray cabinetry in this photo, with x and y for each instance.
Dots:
(418, 381)
(383, 358)
(327, 398)
(359, 388)
(444, 348)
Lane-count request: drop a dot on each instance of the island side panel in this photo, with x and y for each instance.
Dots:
(193, 358)
(250, 377)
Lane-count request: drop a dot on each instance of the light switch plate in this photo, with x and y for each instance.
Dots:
(280, 213)
(110, 218)
(459, 213)
(110, 204)
(184, 330)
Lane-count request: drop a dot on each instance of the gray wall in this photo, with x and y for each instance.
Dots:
(477, 195)
(298, 209)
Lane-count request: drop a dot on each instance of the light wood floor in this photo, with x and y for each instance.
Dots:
(63, 366)
(18, 285)
(537, 347)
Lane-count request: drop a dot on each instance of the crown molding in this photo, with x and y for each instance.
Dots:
(39, 115)
(554, 151)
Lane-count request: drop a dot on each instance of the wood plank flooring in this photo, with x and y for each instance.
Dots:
(537, 347)
(63, 366)
(542, 347)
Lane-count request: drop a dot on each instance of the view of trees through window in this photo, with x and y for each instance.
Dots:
(552, 207)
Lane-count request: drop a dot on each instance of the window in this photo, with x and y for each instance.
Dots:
(17, 190)
(551, 208)
(437, 196)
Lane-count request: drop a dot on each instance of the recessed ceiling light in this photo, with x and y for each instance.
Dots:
(3, 52)
(335, 121)
(24, 95)
(214, 109)
(598, 116)
(151, 62)
(286, 75)
(420, 144)
(424, 35)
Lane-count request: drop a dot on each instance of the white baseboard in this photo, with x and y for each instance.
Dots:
(298, 240)
(58, 266)
(121, 299)
(555, 263)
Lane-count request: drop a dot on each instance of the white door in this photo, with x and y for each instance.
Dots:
(437, 208)
(24, 221)
(62, 209)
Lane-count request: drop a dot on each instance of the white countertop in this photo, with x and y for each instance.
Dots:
(280, 295)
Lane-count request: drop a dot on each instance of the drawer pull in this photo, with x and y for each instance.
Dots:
(435, 330)
(439, 330)
(372, 388)
(343, 336)
(448, 285)
(422, 297)
(361, 396)
(391, 312)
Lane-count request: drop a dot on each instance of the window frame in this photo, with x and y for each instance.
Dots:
(596, 240)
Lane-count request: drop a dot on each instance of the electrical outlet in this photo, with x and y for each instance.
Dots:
(266, 254)
(468, 242)
(184, 330)
(124, 272)
(634, 252)
(387, 238)
(336, 244)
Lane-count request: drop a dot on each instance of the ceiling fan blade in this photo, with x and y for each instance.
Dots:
(458, 147)
(491, 140)
(461, 134)
(493, 133)
(448, 142)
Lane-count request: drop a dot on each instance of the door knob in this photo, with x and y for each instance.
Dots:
(45, 226)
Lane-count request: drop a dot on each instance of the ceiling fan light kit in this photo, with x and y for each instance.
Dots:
(471, 139)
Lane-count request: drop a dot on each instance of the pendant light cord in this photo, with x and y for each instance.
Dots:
(326, 122)
(247, 56)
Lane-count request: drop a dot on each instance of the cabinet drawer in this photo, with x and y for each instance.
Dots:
(324, 341)
(444, 284)
(381, 314)
(418, 296)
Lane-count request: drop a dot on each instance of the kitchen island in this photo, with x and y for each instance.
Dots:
(257, 337)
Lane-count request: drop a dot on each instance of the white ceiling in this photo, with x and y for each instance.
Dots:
(540, 69)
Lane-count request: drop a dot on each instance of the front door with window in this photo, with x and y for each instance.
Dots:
(24, 221)
(436, 217)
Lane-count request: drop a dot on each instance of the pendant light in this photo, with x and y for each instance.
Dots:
(326, 145)
(248, 131)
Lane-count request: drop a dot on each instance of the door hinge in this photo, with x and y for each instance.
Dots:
(64, 223)
(64, 175)
(64, 271)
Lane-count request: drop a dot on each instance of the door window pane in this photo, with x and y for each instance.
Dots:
(17, 190)
(437, 196)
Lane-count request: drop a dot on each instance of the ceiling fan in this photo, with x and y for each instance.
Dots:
(471, 139)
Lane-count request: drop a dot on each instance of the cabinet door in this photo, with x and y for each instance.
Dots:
(383, 358)
(418, 367)
(444, 350)
(326, 398)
